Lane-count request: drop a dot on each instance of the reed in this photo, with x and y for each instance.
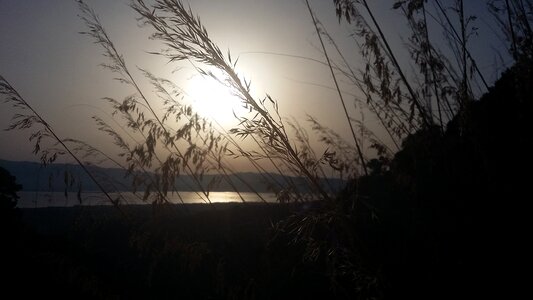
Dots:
(411, 106)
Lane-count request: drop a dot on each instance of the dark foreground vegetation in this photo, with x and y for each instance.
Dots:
(440, 217)
(435, 222)
(187, 252)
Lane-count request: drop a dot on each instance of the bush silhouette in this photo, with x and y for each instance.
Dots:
(444, 203)
(8, 200)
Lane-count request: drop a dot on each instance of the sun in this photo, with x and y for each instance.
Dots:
(213, 100)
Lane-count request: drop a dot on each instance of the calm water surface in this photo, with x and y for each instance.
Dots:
(47, 199)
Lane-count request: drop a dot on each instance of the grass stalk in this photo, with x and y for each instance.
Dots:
(315, 24)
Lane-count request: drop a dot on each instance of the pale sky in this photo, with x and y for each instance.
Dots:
(56, 69)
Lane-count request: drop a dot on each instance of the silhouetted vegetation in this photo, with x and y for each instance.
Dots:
(8, 195)
(438, 222)
(429, 215)
(222, 251)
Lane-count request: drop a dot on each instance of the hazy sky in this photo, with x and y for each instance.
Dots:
(56, 69)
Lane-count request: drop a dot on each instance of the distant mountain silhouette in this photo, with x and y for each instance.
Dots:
(58, 177)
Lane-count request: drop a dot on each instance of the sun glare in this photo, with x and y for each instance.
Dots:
(213, 100)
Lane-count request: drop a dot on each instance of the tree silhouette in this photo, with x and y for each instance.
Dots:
(8, 199)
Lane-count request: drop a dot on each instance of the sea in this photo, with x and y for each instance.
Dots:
(37, 199)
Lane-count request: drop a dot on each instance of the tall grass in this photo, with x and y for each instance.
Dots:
(444, 80)
(196, 147)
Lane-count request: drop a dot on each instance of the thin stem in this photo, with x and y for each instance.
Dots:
(398, 68)
(464, 87)
(359, 152)
(511, 28)
(454, 31)
(429, 62)
(357, 82)
(60, 141)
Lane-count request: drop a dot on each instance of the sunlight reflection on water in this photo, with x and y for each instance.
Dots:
(55, 199)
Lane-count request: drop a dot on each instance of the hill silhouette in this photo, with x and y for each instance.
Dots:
(442, 218)
(35, 177)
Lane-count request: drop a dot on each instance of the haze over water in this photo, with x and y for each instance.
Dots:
(57, 199)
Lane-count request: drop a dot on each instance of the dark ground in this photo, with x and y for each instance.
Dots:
(192, 252)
